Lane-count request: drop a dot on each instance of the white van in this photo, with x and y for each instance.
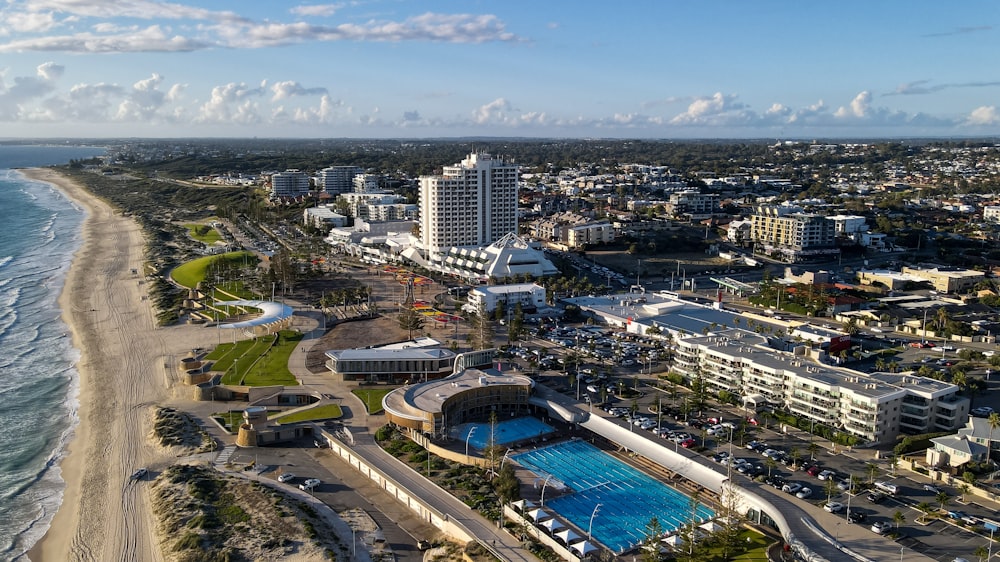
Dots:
(887, 487)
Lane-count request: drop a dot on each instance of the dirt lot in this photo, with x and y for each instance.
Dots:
(360, 333)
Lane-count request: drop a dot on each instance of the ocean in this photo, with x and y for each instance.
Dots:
(38, 381)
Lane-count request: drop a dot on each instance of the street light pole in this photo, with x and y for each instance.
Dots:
(544, 484)
(467, 437)
(590, 527)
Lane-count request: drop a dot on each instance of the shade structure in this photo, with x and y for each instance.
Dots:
(673, 540)
(711, 527)
(567, 536)
(553, 525)
(537, 515)
(583, 548)
(523, 505)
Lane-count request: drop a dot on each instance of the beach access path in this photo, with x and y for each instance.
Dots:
(127, 366)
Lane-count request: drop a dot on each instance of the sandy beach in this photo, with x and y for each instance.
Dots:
(127, 366)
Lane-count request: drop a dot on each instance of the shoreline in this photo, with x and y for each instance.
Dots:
(123, 373)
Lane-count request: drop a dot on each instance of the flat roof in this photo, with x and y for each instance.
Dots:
(389, 354)
(428, 396)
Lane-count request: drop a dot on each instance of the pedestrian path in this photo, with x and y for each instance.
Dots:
(224, 455)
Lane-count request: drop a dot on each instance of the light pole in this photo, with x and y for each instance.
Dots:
(504, 459)
(590, 527)
(544, 484)
(467, 437)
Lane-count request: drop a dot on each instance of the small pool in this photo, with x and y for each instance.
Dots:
(628, 498)
(504, 433)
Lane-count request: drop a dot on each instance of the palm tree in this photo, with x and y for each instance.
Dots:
(879, 364)
(770, 464)
(981, 552)
(942, 498)
(994, 421)
(898, 517)
(964, 488)
(873, 471)
(924, 508)
(813, 448)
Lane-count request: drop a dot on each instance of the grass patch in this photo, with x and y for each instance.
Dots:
(372, 397)
(193, 272)
(324, 412)
(753, 550)
(260, 362)
(230, 420)
(203, 233)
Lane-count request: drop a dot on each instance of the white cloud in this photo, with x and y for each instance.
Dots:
(288, 89)
(859, 108)
(232, 103)
(150, 39)
(321, 10)
(50, 70)
(494, 112)
(30, 22)
(984, 115)
(719, 109)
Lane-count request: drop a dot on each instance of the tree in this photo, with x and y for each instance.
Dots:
(924, 508)
(813, 448)
(898, 518)
(873, 471)
(411, 321)
(651, 542)
(830, 488)
(964, 488)
(994, 421)
(981, 552)
(771, 464)
(942, 498)
(795, 455)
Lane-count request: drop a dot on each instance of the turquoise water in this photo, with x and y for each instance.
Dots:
(505, 432)
(628, 498)
(41, 230)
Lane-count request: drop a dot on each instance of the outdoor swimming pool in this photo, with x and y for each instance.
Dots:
(505, 432)
(628, 498)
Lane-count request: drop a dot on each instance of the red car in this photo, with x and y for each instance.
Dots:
(687, 443)
(813, 470)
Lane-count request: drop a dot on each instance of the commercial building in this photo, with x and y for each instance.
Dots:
(290, 183)
(471, 204)
(505, 258)
(337, 179)
(788, 234)
(947, 279)
(529, 295)
(323, 215)
(411, 361)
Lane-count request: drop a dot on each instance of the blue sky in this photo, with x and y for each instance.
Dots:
(394, 68)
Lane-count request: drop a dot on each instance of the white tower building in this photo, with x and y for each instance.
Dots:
(471, 204)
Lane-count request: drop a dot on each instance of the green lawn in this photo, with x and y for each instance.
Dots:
(199, 233)
(257, 363)
(324, 412)
(372, 397)
(193, 272)
(753, 551)
(231, 420)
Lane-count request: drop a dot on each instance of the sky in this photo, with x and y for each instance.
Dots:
(663, 69)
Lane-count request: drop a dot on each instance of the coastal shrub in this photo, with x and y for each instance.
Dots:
(189, 541)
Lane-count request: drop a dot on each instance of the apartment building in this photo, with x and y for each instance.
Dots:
(471, 204)
(337, 179)
(693, 204)
(792, 235)
(946, 279)
(290, 183)
(366, 183)
(529, 295)
(874, 408)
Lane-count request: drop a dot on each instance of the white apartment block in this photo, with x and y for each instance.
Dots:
(874, 408)
(692, 203)
(366, 183)
(794, 235)
(529, 295)
(592, 233)
(360, 204)
(846, 225)
(470, 204)
(991, 213)
(290, 183)
(337, 179)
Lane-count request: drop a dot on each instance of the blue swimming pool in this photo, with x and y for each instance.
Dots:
(504, 433)
(628, 498)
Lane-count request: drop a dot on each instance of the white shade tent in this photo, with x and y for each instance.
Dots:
(583, 548)
(711, 527)
(537, 515)
(567, 536)
(553, 525)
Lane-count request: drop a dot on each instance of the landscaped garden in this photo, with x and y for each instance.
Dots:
(203, 233)
(193, 272)
(259, 362)
(318, 413)
(372, 397)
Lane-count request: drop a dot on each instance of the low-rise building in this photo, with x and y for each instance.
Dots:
(323, 216)
(529, 295)
(947, 279)
(411, 361)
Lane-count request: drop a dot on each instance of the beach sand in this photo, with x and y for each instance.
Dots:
(127, 366)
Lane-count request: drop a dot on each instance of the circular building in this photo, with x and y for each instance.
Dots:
(429, 409)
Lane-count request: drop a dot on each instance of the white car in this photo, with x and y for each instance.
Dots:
(826, 474)
(881, 527)
(834, 507)
(792, 488)
(310, 484)
(286, 477)
(804, 493)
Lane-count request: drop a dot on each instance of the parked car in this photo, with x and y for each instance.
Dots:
(791, 488)
(881, 527)
(844, 485)
(876, 497)
(886, 487)
(932, 489)
(834, 507)
(286, 477)
(813, 470)
(855, 516)
(826, 474)
(804, 493)
(309, 484)
(688, 443)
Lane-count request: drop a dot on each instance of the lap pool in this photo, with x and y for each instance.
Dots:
(504, 432)
(628, 498)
